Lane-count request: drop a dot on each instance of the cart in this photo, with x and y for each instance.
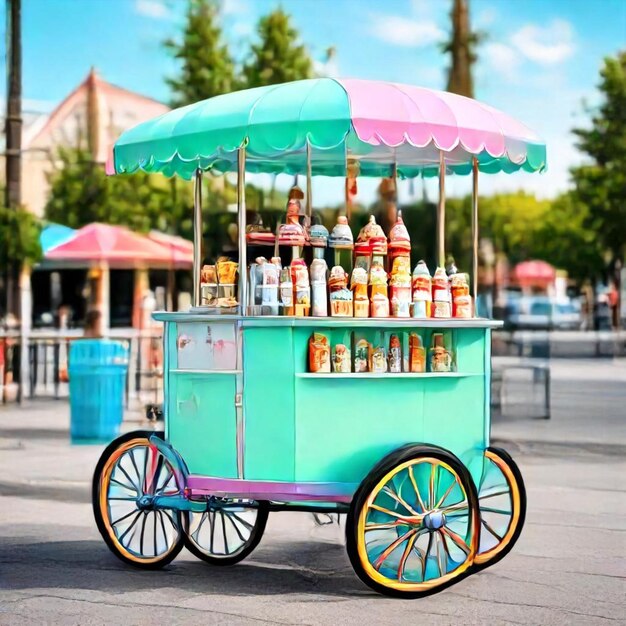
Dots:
(405, 455)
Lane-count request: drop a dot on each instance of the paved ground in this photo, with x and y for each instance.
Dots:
(569, 566)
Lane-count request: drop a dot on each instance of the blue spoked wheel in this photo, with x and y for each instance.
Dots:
(413, 526)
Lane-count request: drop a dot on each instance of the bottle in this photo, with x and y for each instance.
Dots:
(395, 355)
(461, 299)
(417, 354)
(422, 291)
(441, 294)
(440, 360)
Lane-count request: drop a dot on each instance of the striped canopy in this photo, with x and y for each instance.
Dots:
(378, 124)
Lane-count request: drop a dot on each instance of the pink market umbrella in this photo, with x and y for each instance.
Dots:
(114, 245)
(534, 273)
(180, 249)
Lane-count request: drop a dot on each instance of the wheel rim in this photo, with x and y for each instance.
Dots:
(417, 529)
(223, 532)
(499, 503)
(141, 535)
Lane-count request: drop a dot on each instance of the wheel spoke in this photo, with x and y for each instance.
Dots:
(224, 532)
(131, 454)
(431, 487)
(382, 509)
(244, 522)
(168, 477)
(447, 493)
(398, 498)
(232, 521)
(130, 480)
(417, 491)
(143, 531)
(154, 537)
(456, 539)
(426, 555)
(163, 528)
(495, 495)
(391, 547)
(457, 506)
(405, 555)
(491, 530)
(130, 527)
(203, 519)
(212, 522)
(385, 526)
(123, 485)
(489, 509)
(120, 499)
(443, 567)
(121, 519)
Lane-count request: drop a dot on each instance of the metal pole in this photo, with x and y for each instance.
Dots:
(441, 213)
(475, 230)
(241, 223)
(309, 191)
(197, 237)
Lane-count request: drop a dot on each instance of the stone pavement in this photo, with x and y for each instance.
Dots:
(569, 566)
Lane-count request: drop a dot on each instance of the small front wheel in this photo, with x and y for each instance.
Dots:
(130, 468)
(413, 525)
(227, 532)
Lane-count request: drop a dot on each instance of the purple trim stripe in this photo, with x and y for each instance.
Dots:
(270, 490)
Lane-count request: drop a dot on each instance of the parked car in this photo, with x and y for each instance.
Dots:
(543, 313)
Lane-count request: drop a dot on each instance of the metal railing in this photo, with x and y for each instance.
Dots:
(46, 371)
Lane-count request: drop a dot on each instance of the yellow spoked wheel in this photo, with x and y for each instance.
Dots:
(502, 505)
(413, 526)
(129, 469)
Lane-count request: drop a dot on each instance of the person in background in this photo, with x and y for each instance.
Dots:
(93, 328)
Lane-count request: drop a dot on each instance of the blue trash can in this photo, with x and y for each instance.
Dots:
(97, 372)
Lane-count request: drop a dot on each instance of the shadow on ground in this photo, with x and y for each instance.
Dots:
(290, 567)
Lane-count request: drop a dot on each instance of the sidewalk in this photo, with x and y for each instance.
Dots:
(588, 413)
(588, 398)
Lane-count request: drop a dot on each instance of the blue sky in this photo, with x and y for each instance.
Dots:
(539, 62)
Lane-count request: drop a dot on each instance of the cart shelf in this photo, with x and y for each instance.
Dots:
(387, 375)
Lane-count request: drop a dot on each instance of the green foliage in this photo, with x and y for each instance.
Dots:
(207, 68)
(601, 184)
(277, 57)
(520, 226)
(19, 234)
(81, 193)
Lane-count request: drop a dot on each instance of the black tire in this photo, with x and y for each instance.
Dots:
(105, 528)
(517, 531)
(395, 458)
(223, 561)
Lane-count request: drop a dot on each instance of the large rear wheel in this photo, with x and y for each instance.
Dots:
(408, 531)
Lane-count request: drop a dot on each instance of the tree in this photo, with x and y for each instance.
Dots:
(207, 68)
(277, 57)
(462, 50)
(81, 193)
(19, 232)
(600, 185)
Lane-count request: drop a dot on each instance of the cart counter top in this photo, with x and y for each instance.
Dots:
(327, 322)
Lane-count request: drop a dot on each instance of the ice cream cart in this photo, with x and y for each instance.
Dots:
(395, 434)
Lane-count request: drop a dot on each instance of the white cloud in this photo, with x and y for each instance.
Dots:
(502, 58)
(155, 9)
(487, 17)
(235, 7)
(402, 31)
(545, 45)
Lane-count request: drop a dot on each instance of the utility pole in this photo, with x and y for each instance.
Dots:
(13, 133)
(462, 49)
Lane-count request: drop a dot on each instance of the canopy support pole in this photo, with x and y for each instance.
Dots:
(441, 213)
(197, 237)
(475, 231)
(309, 191)
(241, 229)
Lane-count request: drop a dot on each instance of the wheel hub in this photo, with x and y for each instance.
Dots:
(434, 520)
(145, 503)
